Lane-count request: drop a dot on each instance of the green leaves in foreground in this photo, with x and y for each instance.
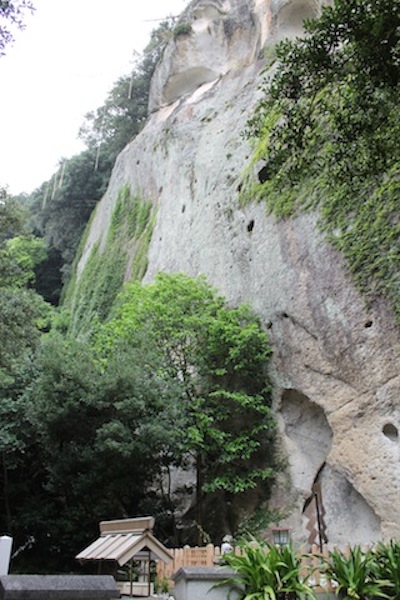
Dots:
(356, 575)
(387, 557)
(268, 572)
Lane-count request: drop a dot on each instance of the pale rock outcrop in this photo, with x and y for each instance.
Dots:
(336, 365)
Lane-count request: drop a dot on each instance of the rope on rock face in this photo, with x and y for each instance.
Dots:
(62, 174)
(97, 160)
(54, 186)
(136, 61)
(46, 195)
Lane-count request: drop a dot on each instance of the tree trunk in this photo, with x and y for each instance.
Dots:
(199, 499)
(6, 493)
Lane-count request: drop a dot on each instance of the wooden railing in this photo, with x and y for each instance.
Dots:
(198, 556)
(209, 556)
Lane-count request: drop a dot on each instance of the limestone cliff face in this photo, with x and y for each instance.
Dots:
(336, 365)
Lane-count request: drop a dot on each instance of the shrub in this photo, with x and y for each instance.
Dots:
(268, 572)
(355, 575)
(182, 29)
(388, 566)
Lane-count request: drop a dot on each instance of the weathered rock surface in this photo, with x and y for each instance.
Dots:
(336, 365)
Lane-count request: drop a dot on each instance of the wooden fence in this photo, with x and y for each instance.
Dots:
(209, 556)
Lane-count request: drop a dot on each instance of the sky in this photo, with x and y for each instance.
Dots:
(61, 66)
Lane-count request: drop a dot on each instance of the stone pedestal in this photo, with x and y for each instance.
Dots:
(197, 583)
(58, 587)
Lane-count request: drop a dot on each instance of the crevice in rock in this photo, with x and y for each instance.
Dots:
(296, 322)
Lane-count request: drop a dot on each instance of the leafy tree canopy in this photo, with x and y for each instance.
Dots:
(22, 312)
(217, 356)
(11, 17)
(61, 207)
(176, 379)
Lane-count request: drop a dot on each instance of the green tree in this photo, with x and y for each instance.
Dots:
(23, 316)
(217, 357)
(327, 130)
(102, 430)
(61, 207)
(22, 312)
(11, 17)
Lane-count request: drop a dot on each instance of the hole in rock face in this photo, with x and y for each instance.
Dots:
(263, 174)
(250, 226)
(390, 431)
(291, 18)
(307, 425)
(368, 324)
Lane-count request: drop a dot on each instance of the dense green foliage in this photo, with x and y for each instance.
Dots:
(100, 430)
(268, 572)
(61, 207)
(22, 312)
(327, 130)
(217, 358)
(175, 379)
(387, 559)
(357, 575)
(11, 17)
(23, 317)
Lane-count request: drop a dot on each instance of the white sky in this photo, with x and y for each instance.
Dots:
(60, 67)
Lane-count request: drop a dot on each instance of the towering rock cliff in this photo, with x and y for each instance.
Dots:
(336, 363)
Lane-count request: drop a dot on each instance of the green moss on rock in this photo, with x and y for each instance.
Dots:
(92, 296)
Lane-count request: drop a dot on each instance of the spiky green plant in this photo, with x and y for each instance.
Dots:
(354, 575)
(388, 566)
(268, 572)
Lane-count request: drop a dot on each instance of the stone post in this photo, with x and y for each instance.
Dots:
(5, 553)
